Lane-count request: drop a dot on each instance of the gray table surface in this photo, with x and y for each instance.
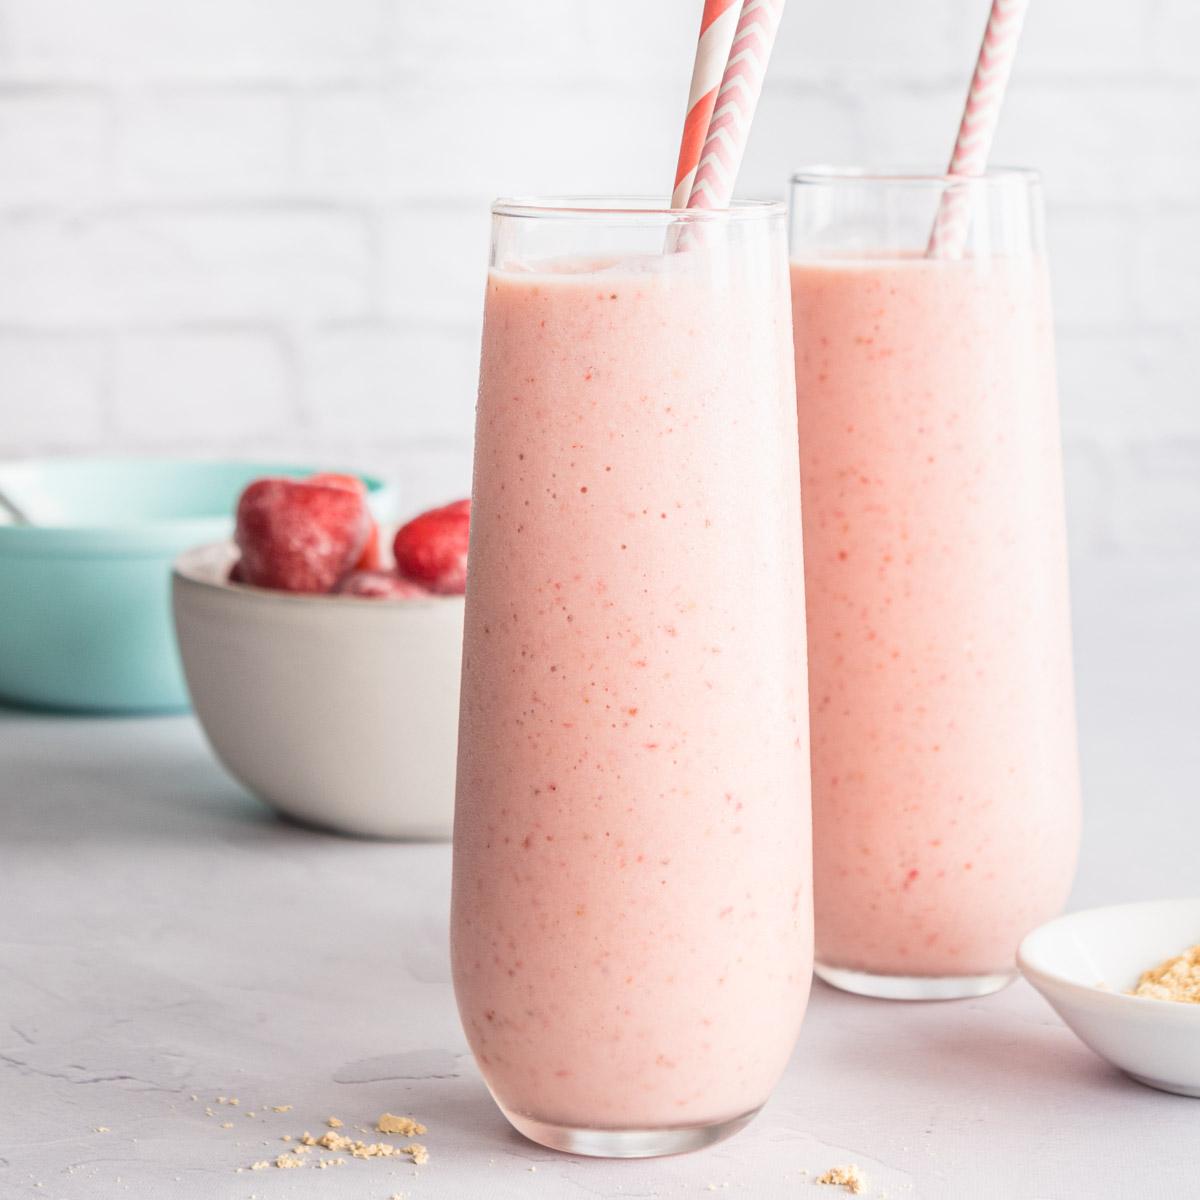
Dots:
(164, 938)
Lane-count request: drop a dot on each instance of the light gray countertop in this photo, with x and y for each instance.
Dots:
(165, 937)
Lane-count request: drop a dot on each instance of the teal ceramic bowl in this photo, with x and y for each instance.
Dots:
(85, 606)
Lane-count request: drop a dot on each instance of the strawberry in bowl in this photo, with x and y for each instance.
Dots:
(319, 648)
(316, 536)
(300, 535)
(432, 549)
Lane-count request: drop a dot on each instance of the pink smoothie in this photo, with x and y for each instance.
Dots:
(945, 788)
(632, 922)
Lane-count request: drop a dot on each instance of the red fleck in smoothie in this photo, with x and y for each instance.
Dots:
(631, 913)
(945, 789)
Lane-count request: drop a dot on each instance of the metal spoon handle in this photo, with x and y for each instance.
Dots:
(17, 516)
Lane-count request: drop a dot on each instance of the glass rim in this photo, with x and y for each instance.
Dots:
(631, 208)
(827, 173)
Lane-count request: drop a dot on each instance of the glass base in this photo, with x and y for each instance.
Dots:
(913, 987)
(1161, 1085)
(627, 1143)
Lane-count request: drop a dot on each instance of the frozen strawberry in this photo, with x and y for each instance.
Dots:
(432, 548)
(371, 559)
(333, 479)
(300, 536)
(379, 585)
(235, 573)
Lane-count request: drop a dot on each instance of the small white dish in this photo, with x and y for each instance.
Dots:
(1085, 962)
(338, 711)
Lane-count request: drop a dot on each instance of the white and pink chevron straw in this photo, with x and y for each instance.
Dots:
(736, 100)
(978, 126)
(717, 27)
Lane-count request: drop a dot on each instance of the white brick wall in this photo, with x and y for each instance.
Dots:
(196, 388)
(206, 142)
(53, 389)
(124, 40)
(393, 383)
(260, 225)
(53, 145)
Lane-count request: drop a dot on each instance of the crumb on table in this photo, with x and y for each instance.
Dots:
(851, 1178)
(405, 1126)
(306, 1145)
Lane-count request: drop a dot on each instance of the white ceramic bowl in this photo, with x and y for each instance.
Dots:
(1083, 964)
(338, 711)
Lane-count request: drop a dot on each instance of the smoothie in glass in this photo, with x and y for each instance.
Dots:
(945, 787)
(631, 912)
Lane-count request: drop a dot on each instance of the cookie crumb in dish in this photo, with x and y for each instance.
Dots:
(334, 1123)
(851, 1178)
(1175, 979)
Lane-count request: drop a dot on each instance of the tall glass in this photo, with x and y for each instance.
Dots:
(945, 786)
(631, 912)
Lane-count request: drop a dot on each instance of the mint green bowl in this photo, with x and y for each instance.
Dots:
(85, 605)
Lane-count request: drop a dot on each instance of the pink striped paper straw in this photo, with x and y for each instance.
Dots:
(978, 126)
(737, 98)
(717, 26)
